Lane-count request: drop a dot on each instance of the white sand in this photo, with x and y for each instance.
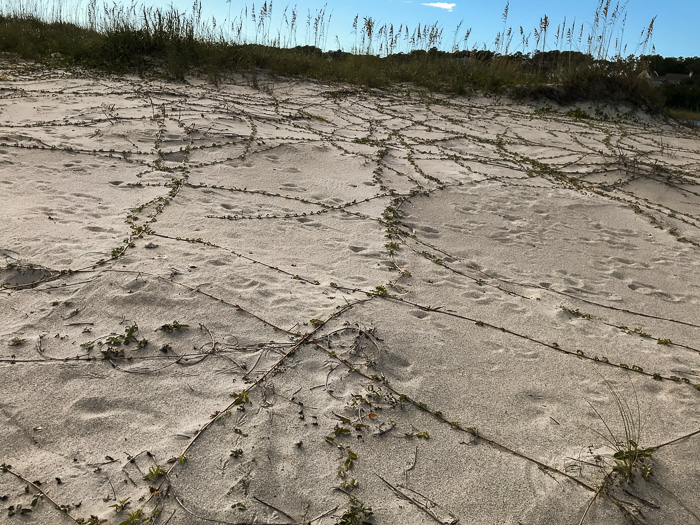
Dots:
(264, 209)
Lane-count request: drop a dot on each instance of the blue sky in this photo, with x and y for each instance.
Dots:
(676, 29)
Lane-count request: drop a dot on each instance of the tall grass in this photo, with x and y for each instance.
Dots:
(565, 64)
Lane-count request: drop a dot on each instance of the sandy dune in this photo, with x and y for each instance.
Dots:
(416, 303)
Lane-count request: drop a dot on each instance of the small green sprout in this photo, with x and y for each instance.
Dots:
(241, 398)
(155, 472)
(121, 504)
(175, 326)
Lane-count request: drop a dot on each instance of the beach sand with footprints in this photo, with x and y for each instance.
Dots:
(291, 302)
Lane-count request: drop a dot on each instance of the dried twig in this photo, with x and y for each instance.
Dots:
(428, 506)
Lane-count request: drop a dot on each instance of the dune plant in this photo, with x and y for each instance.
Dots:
(357, 514)
(625, 437)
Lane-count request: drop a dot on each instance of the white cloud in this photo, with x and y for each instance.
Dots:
(442, 5)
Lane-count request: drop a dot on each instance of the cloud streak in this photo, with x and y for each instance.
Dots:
(442, 5)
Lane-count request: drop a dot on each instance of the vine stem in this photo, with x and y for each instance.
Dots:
(62, 508)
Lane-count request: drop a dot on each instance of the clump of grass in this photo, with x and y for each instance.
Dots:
(357, 514)
(628, 455)
(380, 290)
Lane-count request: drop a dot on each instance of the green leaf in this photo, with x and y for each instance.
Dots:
(241, 398)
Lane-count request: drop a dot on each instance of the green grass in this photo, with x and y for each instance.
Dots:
(624, 438)
(135, 38)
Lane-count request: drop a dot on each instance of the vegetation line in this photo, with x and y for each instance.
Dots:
(41, 492)
(554, 346)
(564, 63)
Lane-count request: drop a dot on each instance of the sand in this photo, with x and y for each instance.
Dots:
(292, 301)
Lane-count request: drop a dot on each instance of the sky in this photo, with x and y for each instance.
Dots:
(676, 30)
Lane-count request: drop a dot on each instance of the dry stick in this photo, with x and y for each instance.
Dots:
(625, 511)
(223, 301)
(114, 492)
(603, 486)
(129, 477)
(88, 359)
(171, 517)
(212, 520)
(145, 372)
(412, 465)
(328, 375)
(595, 496)
(245, 376)
(322, 515)
(64, 285)
(415, 459)
(644, 501)
(273, 508)
(676, 440)
(423, 503)
(63, 509)
(680, 502)
(213, 343)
